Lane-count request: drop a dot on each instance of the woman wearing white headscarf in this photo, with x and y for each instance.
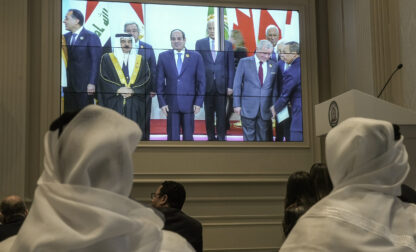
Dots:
(367, 167)
(81, 202)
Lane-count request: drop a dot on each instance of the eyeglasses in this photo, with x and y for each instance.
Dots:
(154, 195)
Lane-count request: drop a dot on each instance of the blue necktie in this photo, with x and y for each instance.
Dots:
(213, 53)
(73, 38)
(125, 69)
(179, 63)
(274, 56)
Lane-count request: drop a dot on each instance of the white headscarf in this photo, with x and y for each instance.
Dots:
(81, 202)
(120, 55)
(362, 213)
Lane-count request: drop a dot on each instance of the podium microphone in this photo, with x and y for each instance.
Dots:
(399, 66)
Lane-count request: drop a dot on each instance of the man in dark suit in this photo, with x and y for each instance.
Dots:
(14, 212)
(84, 52)
(255, 91)
(219, 72)
(291, 90)
(169, 199)
(180, 87)
(147, 52)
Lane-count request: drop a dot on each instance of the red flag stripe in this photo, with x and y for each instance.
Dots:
(288, 17)
(265, 20)
(139, 10)
(90, 8)
(246, 27)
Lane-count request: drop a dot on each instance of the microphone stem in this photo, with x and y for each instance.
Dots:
(387, 82)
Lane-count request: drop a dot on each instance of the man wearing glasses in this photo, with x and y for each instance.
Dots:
(169, 199)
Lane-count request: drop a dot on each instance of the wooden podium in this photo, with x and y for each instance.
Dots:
(355, 103)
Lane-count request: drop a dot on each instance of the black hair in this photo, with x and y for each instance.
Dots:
(62, 121)
(183, 34)
(291, 216)
(321, 180)
(78, 15)
(300, 190)
(176, 194)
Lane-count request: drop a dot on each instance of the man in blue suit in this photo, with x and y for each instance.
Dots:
(255, 91)
(291, 90)
(147, 52)
(84, 52)
(219, 72)
(180, 86)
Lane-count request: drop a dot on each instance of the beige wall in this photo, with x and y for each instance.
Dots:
(236, 190)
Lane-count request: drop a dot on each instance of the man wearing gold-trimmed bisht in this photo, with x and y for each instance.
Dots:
(124, 80)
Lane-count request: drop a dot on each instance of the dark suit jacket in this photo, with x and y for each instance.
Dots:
(180, 92)
(83, 60)
(222, 68)
(180, 223)
(10, 229)
(292, 91)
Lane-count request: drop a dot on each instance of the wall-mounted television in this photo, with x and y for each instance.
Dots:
(192, 73)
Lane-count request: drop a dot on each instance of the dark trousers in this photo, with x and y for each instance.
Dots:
(176, 121)
(256, 129)
(146, 130)
(215, 106)
(283, 130)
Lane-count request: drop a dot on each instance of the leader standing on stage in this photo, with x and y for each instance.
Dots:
(84, 52)
(255, 91)
(180, 86)
(219, 72)
(125, 80)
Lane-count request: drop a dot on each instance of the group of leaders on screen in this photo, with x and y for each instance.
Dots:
(125, 77)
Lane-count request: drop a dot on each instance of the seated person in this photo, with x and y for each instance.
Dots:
(169, 199)
(321, 180)
(81, 202)
(367, 166)
(14, 211)
(300, 196)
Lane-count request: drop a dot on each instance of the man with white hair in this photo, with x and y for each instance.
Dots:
(272, 35)
(253, 99)
(124, 80)
(367, 163)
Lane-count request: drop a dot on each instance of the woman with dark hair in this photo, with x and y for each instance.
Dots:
(300, 190)
(300, 196)
(321, 180)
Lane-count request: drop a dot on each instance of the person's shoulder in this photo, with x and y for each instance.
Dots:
(165, 53)
(201, 40)
(88, 32)
(192, 54)
(145, 45)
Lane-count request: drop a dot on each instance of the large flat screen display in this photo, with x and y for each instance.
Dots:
(186, 73)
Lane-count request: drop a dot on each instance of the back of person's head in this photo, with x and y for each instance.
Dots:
(321, 180)
(291, 216)
(176, 194)
(300, 189)
(367, 153)
(13, 208)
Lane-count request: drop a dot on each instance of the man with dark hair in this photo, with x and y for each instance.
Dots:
(180, 87)
(84, 51)
(14, 212)
(169, 199)
(291, 90)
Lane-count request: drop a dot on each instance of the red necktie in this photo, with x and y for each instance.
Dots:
(261, 73)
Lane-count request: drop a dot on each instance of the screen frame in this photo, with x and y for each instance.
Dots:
(308, 71)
